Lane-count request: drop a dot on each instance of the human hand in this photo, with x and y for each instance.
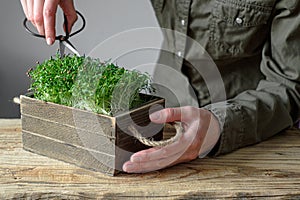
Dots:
(42, 14)
(201, 134)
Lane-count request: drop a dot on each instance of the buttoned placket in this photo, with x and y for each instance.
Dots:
(181, 25)
(180, 52)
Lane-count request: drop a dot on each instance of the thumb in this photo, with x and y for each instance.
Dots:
(166, 115)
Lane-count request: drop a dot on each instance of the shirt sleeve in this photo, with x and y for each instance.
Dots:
(256, 115)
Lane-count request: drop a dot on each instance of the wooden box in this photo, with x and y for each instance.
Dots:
(92, 141)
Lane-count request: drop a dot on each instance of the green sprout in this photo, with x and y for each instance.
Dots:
(87, 83)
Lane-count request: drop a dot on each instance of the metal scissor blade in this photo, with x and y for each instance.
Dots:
(61, 49)
(70, 47)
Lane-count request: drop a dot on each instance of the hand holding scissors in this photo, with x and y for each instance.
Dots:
(63, 39)
(41, 13)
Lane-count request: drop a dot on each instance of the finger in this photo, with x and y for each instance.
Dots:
(166, 115)
(24, 6)
(38, 16)
(159, 153)
(29, 5)
(153, 159)
(70, 12)
(188, 139)
(143, 167)
(185, 114)
(49, 13)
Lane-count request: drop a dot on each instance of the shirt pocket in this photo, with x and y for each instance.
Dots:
(239, 28)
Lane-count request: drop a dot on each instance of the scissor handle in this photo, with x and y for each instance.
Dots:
(59, 37)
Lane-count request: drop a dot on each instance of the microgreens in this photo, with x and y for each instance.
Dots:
(88, 83)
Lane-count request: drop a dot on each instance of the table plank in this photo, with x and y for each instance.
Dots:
(269, 170)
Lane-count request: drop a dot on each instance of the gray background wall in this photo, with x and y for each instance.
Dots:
(20, 51)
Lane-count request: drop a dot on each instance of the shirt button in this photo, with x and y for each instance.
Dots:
(182, 22)
(239, 20)
(179, 53)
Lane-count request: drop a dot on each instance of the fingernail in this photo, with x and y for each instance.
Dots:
(49, 41)
(155, 116)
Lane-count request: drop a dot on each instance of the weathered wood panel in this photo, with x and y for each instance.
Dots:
(60, 114)
(70, 135)
(126, 143)
(269, 170)
(77, 155)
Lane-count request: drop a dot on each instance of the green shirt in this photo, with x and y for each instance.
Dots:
(255, 45)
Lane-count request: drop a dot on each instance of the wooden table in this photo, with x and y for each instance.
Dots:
(269, 170)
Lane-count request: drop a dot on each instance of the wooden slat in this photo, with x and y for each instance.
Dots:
(269, 170)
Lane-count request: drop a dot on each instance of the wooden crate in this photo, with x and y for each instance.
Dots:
(83, 138)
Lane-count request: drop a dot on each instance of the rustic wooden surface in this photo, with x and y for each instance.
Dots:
(267, 170)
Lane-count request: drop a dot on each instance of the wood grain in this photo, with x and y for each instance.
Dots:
(70, 135)
(64, 115)
(269, 170)
(77, 155)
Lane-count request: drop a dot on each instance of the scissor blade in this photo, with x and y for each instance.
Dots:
(71, 48)
(61, 49)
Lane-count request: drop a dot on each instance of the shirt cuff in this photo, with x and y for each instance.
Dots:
(231, 120)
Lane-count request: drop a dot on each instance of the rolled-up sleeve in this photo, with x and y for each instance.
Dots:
(256, 115)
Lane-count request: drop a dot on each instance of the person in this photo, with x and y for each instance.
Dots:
(255, 45)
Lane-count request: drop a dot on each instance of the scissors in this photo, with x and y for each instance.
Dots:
(63, 39)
